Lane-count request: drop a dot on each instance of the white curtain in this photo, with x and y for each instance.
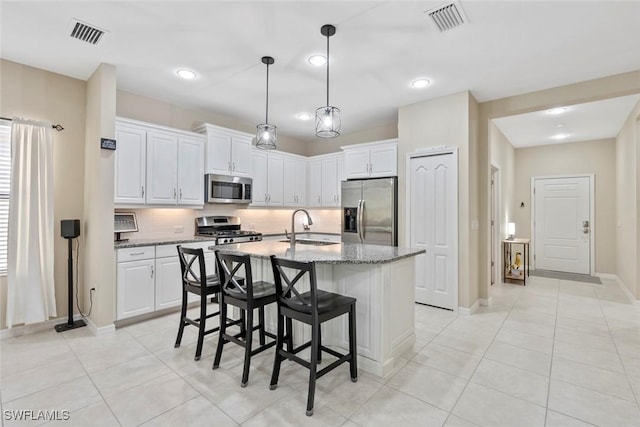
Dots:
(31, 290)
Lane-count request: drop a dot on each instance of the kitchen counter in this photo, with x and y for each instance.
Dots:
(339, 253)
(134, 243)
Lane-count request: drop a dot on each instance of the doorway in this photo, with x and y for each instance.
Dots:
(495, 220)
(432, 208)
(563, 223)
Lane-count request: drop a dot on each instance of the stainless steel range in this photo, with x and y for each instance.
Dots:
(226, 230)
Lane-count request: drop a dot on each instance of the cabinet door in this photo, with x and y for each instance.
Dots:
(314, 183)
(259, 190)
(168, 283)
(357, 163)
(275, 180)
(342, 176)
(162, 168)
(290, 184)
(300, 181)
(241, 156)
(190, 171)
(135, 288)
(384, 161)
(130, 165)
(329, 182)
(218, 153)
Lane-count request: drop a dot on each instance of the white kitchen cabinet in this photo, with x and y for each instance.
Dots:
(330, 182)
(130, 164)
(190, 171)
(314, 183)
(135, 289)
(228, 152)
(162, 168)
(268, 178)
(324, 180)
(168, 283)
(371, 160)
(295, 181)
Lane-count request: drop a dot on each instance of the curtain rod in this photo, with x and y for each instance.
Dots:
(58, 127)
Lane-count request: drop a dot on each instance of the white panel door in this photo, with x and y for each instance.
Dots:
(290, 181)
(275, 180)
(130, 165)
(300, 182)
(218, 152)
(162, 169)
(562, 224)
(433, 226)
(168, 282)
(357, 163)
(190, 171)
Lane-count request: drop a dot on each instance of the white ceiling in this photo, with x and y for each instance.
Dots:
(508, 48)
(580, 122)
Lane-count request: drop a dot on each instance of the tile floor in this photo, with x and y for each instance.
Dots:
(555, 353)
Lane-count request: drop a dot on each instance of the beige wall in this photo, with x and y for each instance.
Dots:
(138, 107)
(590, 157)
(627, 217)
(99, 260)
(41, 95)
(439, 122)
(325, 146)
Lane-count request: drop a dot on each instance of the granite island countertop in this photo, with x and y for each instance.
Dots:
(134, 243)
(339, 253)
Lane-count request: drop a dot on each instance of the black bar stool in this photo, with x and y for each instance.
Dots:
(313, 308)
(247, 295)
(193, 270)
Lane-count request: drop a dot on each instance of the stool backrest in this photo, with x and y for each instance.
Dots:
(192, 266)
(286, 291)
(235, 275)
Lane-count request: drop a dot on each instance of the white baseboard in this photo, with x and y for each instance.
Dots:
(486, 302)
(469, 311)
(34, 327)
(606, 276)
(627, 292)
(97, 331)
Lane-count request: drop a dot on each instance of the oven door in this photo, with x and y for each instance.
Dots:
(227, 189)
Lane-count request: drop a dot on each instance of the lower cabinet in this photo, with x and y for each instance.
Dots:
(149, 278)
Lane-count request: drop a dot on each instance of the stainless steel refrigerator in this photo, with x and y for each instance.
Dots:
(370, 211)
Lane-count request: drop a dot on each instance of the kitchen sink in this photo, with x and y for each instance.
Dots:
(313, 242)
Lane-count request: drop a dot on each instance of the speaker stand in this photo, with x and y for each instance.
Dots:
(70, 323)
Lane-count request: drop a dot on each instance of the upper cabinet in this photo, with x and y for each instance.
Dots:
(295, 180)
(371, 160)
(228, 151)
(156, 165)
(268, 175)
(325, 175)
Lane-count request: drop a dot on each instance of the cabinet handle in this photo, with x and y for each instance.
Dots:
(229, 166)
(265, 197)
(318, 199)
(136, 253)
(174, 193)
(142, 191)
(152, 272)
(234, 166)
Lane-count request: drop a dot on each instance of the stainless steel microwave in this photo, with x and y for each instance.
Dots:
(227, 189)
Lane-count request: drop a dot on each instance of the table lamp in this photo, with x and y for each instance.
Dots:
(511, 230)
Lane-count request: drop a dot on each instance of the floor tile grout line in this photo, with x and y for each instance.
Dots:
(553, 346)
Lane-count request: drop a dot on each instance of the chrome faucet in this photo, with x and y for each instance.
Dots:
(293, 224)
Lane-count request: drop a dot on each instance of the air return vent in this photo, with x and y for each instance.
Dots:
(85, 32)
(447, 17)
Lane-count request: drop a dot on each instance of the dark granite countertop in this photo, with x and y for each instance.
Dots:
(133, 243)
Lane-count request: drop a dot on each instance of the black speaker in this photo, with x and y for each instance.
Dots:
(70, 228)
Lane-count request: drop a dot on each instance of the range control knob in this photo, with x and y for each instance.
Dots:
(230, 240)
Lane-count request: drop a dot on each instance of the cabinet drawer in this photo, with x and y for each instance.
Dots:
(135, 254)
(163, 251)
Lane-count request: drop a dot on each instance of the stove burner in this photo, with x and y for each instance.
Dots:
(226, 230)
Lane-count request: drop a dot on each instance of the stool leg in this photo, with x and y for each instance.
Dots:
(289, 335)
(319, 344)
(353, 350)
(221, 334)
(243, 323)
(261, 323)
(202, 324)
(277, 359)
(312, 368)
(183, 314)
(247, 346)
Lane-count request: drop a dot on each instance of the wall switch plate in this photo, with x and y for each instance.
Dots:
(178, 229)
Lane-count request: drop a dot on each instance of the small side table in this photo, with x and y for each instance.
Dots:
(508, 259)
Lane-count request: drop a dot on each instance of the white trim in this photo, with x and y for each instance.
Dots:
(99, 331)
(592, 217)
(426, 152)
(627, 292)
(369, 144)
(34, 327)
(498, 268)
(469, 311)
(486, 302)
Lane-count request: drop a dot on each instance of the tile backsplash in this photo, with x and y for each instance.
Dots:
(169, 222)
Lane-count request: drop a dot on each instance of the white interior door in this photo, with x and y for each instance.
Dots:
(562, 224)
(433, 226)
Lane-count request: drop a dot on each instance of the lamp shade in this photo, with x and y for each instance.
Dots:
(511, 229)
(266, 136)
(328, 122)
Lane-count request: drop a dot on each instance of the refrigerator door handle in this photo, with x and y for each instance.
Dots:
(360, 220)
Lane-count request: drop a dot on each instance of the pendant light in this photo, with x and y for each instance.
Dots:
(266, 134)
(328, 118)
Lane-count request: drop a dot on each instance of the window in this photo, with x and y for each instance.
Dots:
(5, 180)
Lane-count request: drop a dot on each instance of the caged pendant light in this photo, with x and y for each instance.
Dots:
(266, 134)
(328, 121)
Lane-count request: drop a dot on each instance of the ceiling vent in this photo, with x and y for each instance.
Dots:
(447, 17)
(86, 32)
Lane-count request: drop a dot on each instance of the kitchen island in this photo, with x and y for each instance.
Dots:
(381, 278)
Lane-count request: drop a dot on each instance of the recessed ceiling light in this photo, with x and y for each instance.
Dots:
(317, 60)
(560, 136)
(420, 83)
(303, 116)
(558, 110)
(186, 74)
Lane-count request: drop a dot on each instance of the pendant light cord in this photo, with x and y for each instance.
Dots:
(328, 69)
(266, 119)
